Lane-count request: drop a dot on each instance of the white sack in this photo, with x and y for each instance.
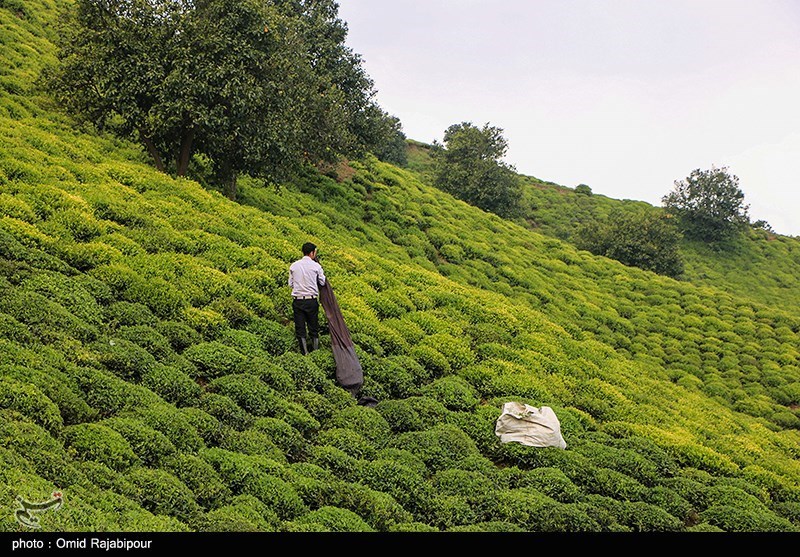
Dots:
(534, 427)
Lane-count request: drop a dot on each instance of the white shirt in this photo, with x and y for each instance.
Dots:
(305, 277)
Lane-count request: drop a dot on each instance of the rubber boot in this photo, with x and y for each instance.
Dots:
(314, 344)
(303, 346)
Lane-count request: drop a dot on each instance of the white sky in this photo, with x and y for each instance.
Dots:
(626, 96)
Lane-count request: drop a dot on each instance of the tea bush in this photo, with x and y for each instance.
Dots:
(99, 443)
(172, 385)
(162, 493)
(206, 486)
(150, 446)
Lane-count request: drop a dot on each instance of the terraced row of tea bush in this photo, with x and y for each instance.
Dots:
(148, 369)
(759, 265)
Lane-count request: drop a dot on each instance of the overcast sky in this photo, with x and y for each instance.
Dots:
(626, 96)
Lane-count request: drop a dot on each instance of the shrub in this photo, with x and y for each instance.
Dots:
(207, 426)
(276, 494)
(462, 483)
(200, 477)
(552, 482)
(454, 392)
(100, 443)
(297, 416)
(237, 315)
(105, 478)
(30, 441)
(440, 447)
(413, 527)
(431, 412)
(249, 392)
(671, 502)
(29, 401)
(644, 517)
(214, 359)
(225, 409)
(334, 519)
(47, 320)
(347, 440)
(398, 380)
(730, 518)
(179, 335)
(276, 339)
(273, 375)
(108, 394)
(148, 338)
(341, 464)
(305, 373)
(400, 415)
(124, 358)
(490, 526)
(162, 493)
(363, 420)
(149, 445)
(245, 514)
(431, 359)
(319, 406)
(172, 385)
(403, 483)
(173, 424)
(13, 330)
(121, 314)
(252, 442)
(290, 441)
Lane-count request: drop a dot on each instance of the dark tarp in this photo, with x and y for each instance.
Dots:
(348, 369)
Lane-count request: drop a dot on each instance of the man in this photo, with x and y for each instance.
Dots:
(305, 278)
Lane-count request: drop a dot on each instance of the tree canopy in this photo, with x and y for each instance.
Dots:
(468, 165)
(709, 205)
(258, 87)
(644, 238)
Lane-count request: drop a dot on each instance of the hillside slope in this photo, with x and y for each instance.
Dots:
(760, 265)
(148, 369)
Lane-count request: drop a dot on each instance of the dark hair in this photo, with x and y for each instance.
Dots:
(308, 247)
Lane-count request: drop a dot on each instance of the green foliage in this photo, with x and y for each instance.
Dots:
(249, 392)
(99, 443)
(676, 398)
(333, 519)
(245, 514)
(440, 447)
(709, 204)
(644, 238)
(149, 445)
(214, 359)
(29, 401)
(200, 477)
(172, 385)
(174, 104)
(124, 358)
(366, 421)
(469, 166)
(162, 493)
(454, 392)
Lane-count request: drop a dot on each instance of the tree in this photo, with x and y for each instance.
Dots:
(258, 87)
(469, 167)
(709, 205)
(644, 238)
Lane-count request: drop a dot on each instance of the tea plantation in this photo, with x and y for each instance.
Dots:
(148, 368)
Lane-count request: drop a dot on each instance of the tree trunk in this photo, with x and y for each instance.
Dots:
(151, 148)
(231, 187)
(185, 154)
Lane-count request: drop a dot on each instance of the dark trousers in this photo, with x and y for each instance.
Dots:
(306, 312)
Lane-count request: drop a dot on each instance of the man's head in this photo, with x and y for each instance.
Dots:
(309, 249)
